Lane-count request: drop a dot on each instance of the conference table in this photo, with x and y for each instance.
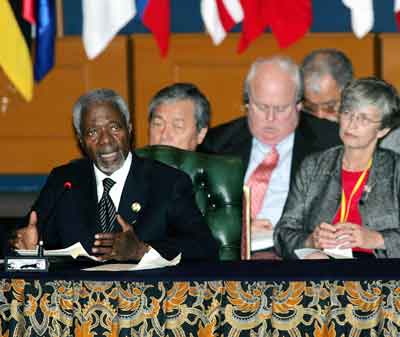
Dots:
(243, 298)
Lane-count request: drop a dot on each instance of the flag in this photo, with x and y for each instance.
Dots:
(289, 20)
(254, 22)
(156, 16)
(26, 28)
(220, 16)
(102, 20)
(362, 16)
(45, 38)
(397, 12)
(29, 11)
(14, 53)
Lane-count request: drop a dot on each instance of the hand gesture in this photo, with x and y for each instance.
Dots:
(119, 246)
(26, 237)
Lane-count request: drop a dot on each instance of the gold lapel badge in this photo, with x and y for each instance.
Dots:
(136, 207)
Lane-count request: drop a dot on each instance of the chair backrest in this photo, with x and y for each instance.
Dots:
(218, 183)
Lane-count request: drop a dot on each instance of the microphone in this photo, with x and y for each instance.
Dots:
(36, 262)
(67, 187)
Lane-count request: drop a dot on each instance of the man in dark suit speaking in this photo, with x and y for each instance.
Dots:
(116, 204)
(272, 140)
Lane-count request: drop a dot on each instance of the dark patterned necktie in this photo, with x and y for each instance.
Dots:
(107, 211)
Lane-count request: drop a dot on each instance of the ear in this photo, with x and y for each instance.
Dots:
(382, 133)
(201, 135)
(299, 106)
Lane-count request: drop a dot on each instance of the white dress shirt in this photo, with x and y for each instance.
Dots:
(278, 187)
(119, 176)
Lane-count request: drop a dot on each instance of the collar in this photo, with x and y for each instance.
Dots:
(284, 146)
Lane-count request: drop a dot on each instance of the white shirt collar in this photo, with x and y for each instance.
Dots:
(285, 145)
(119, 176)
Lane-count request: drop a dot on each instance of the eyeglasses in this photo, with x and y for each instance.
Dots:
(279, 111)
(361, 119)
(329, 107)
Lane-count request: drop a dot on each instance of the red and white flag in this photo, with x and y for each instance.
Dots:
(362, 16)
(397, 13)
(220, 16)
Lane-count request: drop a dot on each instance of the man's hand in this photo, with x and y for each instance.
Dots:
(260, 225)
(26, 237)
(119, 246)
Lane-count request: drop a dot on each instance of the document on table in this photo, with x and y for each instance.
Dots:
(74, 251)
(336, 253)
(151, 260)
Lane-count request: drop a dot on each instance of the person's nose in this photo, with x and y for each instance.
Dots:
(270, 115)
(353, 121)
(166, 133)
(105, 137)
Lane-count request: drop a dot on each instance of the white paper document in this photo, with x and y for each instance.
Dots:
(74, 251)
(151, 260)
(262, 240)
(337, 253)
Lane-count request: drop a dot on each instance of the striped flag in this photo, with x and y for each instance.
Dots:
(156, 16)
(220, 16)
(14, 53)
(102, 20)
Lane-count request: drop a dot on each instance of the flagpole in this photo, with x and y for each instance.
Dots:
(60, 18)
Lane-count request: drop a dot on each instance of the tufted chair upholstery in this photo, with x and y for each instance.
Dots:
(218, 182)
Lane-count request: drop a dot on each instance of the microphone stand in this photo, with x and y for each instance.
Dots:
(38, 262)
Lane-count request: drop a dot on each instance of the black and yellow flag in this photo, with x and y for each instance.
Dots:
(15, 58)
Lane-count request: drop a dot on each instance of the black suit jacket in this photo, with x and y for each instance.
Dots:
(168, 220)
(234, 138)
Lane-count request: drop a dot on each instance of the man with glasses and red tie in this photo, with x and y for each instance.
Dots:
(272, 140)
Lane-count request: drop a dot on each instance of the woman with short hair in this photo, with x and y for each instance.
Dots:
(349, 196)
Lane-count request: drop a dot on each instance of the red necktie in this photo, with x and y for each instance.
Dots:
(259, 180)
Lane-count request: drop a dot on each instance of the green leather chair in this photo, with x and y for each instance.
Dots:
(218, 183)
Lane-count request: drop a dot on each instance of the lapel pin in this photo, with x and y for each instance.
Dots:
(136, 207)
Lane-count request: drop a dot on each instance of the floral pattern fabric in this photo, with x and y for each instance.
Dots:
(204, 309)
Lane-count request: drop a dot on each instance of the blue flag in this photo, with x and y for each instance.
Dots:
(45, 38)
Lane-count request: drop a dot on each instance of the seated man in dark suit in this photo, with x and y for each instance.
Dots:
(118, 205)
(272, 140)
(326, 72)
(178, 116)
